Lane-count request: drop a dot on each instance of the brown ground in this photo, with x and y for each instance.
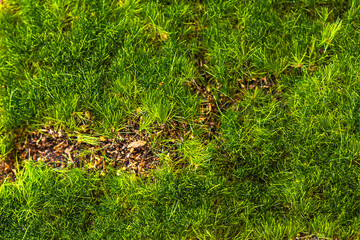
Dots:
(58, 149)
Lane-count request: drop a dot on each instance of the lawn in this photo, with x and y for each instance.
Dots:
(179, 119)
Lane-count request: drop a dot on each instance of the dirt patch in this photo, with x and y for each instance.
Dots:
(129, 151)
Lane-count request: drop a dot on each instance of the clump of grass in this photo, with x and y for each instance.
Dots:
(104, 59)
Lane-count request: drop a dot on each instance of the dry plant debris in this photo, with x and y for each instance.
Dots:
(307, 236)
(58, 149)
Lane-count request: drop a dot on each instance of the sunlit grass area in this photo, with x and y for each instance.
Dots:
(251, 107)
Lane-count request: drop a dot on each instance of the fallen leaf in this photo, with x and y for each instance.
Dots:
(102, 139)
(164, 36)
(87, 115)
(136, 144)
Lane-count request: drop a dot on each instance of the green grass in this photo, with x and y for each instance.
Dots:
(285, 159)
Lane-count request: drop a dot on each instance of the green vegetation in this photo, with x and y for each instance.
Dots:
(278, 81)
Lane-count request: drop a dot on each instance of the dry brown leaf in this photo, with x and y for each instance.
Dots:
(136, 144)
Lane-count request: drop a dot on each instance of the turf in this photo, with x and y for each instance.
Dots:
(267, 93)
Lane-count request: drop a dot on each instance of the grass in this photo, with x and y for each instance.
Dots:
(284, 77)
